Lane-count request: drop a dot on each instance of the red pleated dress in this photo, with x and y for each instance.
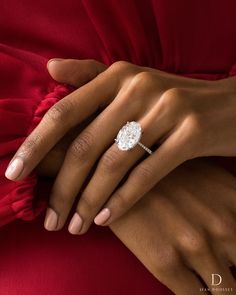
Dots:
(195, 38)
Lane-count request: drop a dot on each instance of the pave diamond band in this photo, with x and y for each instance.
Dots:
(145, 148)
(129, 136)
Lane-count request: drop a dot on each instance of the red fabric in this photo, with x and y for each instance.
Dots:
(21, 109)
(192, 38)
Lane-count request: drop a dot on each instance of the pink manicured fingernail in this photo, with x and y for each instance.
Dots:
(14, 169)
(53, 60)
(51, 220)
(75, 224)
(103, 216)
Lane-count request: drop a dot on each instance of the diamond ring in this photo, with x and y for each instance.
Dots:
(129, 136)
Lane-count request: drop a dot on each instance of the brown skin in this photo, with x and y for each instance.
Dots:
(185, 115)
(183, 228)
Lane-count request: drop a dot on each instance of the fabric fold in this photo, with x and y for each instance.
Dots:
(18, 200)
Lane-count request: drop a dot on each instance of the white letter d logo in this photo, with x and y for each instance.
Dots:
(216, 279)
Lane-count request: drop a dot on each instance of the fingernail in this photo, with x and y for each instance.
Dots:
(75, 224)
(103, 216)
(53, 60)
(14, 169)
(51, 220)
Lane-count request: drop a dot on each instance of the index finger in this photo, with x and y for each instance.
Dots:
(59, 119)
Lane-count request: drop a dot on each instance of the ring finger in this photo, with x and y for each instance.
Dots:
(112, 167)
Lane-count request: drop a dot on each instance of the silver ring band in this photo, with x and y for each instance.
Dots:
(145, 148)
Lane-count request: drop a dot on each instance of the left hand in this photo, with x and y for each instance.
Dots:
(183, 230)
(186, 117)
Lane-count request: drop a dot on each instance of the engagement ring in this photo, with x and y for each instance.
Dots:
(129, 136)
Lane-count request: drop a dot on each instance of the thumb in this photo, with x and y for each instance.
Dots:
(73, 71)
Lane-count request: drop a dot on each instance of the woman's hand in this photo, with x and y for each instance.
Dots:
(186, 117)
(184, 230)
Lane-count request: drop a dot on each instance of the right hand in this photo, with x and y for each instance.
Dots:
(185, 229)
(75, 73)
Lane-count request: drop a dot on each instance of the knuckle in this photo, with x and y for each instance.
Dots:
(143, 174)
(173, 97)
(60, 112)
(196, 124)
(167, 261)
(81, 146)
(193, 134)
(140, 83)
(110, 161)
(120, 66)
(223, 227)
(29, 147)
(142, 79)
(193, 243)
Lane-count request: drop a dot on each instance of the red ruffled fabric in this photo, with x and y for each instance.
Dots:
(233, 70)
(18, 117)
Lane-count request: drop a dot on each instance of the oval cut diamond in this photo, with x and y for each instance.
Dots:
(129, 136)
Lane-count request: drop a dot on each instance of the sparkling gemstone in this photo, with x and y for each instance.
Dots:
(129, 136)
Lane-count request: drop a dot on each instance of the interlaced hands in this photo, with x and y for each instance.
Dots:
(181, 119)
